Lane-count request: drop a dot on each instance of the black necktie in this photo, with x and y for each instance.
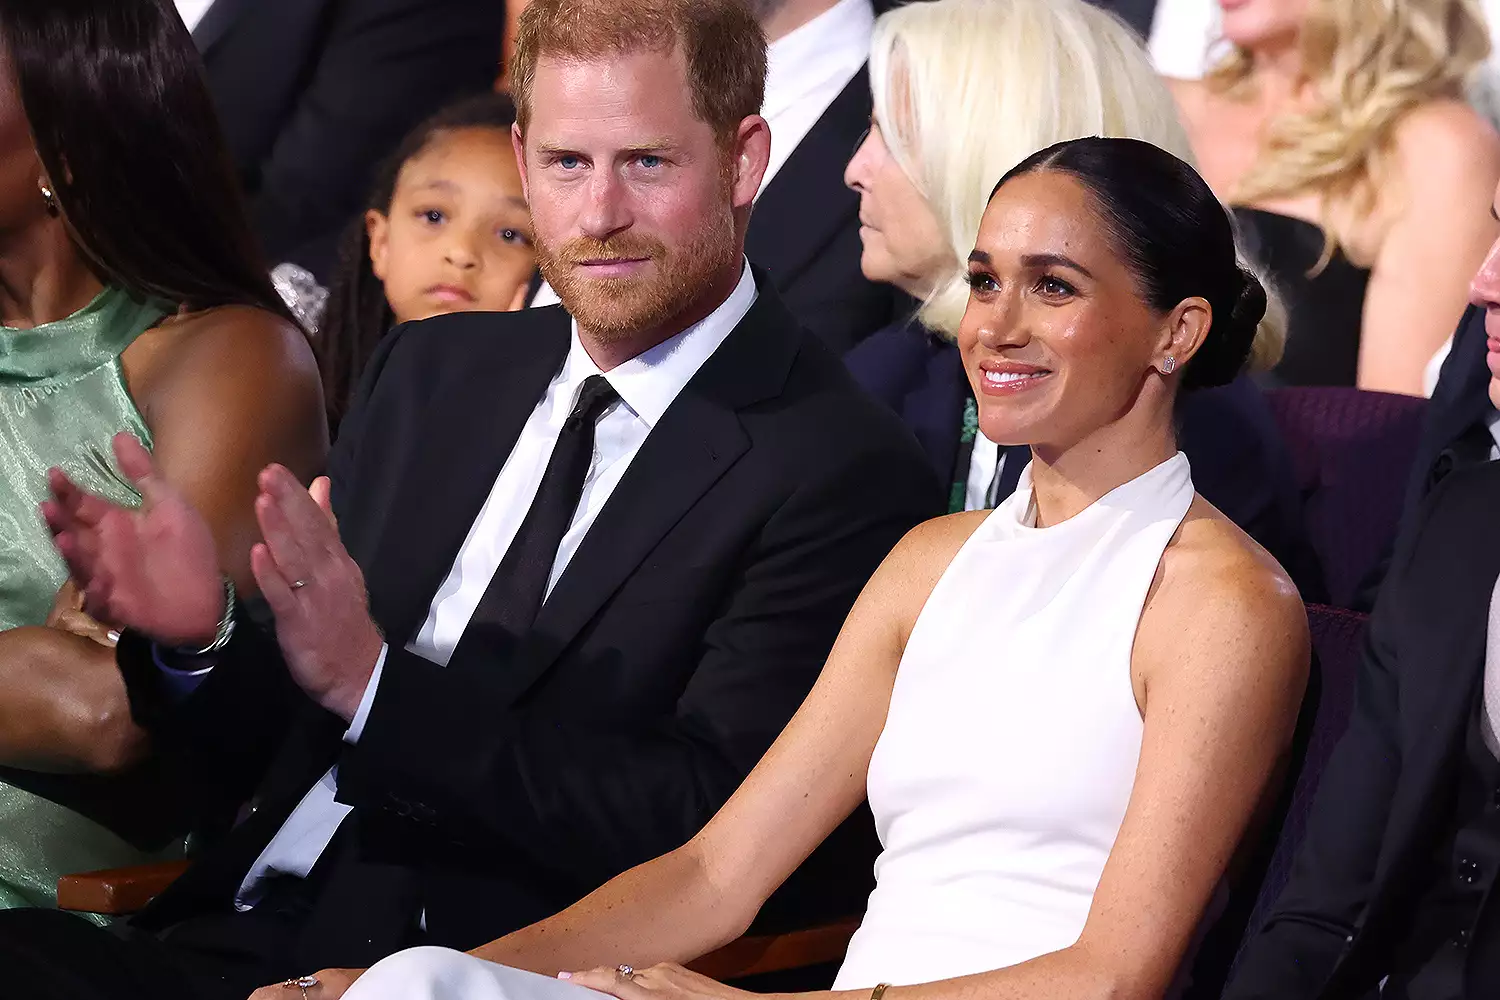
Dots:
(514, 596)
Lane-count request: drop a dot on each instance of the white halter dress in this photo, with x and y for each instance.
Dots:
(1001, 778)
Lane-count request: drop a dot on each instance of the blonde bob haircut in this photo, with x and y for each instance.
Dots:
(966, 89)
(1369, 62)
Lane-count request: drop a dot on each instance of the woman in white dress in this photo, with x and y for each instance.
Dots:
(1064, 711)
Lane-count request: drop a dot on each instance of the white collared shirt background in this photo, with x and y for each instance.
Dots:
(192, 11)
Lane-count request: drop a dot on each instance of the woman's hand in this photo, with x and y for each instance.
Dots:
(667, 981)
(331, 985)
(155, 569)
(67, 615)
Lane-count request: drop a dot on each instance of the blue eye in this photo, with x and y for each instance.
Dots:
(650, 162)
(567, 162)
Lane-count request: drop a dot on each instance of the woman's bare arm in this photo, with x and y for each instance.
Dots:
(1447, 163)
(705, 894)
(225, 393)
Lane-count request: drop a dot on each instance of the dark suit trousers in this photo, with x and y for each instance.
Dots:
(51, 955)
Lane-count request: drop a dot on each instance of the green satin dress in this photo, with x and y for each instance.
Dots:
(62, 399)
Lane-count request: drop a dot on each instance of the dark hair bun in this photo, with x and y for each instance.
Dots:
(1226, 348)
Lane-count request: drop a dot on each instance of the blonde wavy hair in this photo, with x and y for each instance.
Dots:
(966, 89)
(1368, 63)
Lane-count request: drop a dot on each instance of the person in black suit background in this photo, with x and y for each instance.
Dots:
(805, 227)
(313, 94)
(583, 660)
(1393, 879)
(924, 179)
(1458, 427)
(1139, 14)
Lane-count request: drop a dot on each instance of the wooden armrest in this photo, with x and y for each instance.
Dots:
(117, 891)
(754, 955)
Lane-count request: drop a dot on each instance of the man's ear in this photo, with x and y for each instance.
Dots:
(752, 155)
(518, 144)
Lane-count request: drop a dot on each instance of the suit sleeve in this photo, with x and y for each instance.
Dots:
(1320, 908)
(497, 786)
(386, 65)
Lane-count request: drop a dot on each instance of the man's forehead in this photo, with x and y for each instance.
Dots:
(637, 99)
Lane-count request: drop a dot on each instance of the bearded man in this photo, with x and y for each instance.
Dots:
(586, 562)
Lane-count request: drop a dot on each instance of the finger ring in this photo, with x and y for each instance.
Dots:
(298, 584)
(625, 971)
(303, 983)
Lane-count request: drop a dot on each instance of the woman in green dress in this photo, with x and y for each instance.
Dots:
(132, 298)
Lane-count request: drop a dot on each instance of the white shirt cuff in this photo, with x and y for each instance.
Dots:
(361, 714)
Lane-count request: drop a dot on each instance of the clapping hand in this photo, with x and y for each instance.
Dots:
(323, 622)
(154, 569)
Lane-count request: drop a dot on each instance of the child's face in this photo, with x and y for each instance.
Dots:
(458, 237)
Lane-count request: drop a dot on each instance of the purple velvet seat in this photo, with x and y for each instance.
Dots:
(1353, 452)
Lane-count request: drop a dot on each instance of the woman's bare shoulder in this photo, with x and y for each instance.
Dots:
(241, 351)
(906, 578)
(1217, 585)
(224, 370)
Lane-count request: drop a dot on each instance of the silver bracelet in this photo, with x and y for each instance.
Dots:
(224, 632)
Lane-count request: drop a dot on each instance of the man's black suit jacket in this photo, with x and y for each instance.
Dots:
(312, 94)
(685, 631)
(1379, 814)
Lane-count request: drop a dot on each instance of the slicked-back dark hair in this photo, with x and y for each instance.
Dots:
(1173, 234)
(120, 112)
(358, 313)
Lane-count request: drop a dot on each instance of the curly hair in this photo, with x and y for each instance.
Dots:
(1369, 64)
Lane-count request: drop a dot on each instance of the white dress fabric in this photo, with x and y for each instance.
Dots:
(1008, 756)
(1010, 750)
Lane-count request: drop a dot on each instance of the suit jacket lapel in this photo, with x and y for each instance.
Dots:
(697, 440)
(217, 21)
(468, 433)
(806, 203)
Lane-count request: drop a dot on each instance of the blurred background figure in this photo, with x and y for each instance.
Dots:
(445, 230)
(132, 300)
(1361, 178)
(313, 94)
(1050, 70)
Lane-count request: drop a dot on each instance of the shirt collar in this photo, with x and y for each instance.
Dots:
(835, 43)
(650, 381)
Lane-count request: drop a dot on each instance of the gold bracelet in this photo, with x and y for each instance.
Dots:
(879, 991)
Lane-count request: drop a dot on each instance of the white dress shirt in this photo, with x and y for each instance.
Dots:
(985, 464)
(192, 11)
(1489, 722)
(647, 385)
(1182, 34)
(807, 69)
